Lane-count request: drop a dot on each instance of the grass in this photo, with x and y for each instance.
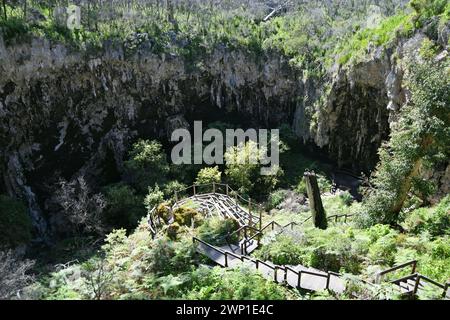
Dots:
(356, 47)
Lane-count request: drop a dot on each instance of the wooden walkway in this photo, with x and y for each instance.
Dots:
(415, 283)
(299, 277)
(220, 200)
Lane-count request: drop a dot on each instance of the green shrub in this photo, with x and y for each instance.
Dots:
(153, 198)
(275, 199)
(209, 175)
(232, 284)
(172, 230)
(164, 212)
(185, 216)
(383, 251)
(435, 221)
(284, 250)
(346, 198)
(124, 208)
(168, 257)
(171, 187)
(215, 230)
(15, 223)
(147, 164)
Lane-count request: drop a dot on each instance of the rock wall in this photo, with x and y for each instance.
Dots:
(63, 113)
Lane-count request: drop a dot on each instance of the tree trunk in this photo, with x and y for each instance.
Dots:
(4, 10)
(315, 202)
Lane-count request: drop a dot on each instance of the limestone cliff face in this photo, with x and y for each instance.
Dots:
(64, 113)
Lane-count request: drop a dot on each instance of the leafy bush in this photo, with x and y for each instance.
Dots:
(147, 164)
(383, 251)
(419, 138)
(154, 197)
(275, 199)
(171, 187)
(124, 208)
(232, 284)
(209, 175)
(284, 250)
(15, 223)
(166, 257)
(435, 220)
(215, 230)
(164, 212)
(243, 169)
(185, 216)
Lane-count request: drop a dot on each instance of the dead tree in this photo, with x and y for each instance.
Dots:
(315, 201)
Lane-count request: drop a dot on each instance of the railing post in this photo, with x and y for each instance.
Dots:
(416, 284)
(194, 189)
(328, 281)
(260, 218)
(299, 279)
(226, 186)
(447, 285)
(275, 278)
(214, 187)
(285, 274)
(378, 278)
(257, 264)
(414, 265)
(250, 211)
(226, 260)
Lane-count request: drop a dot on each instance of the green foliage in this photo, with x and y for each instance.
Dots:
(13, 28)
(426, 9)
(234, 284)
(243, 169)
(382, 35)
(171, 187)
(346, 198)
(283, 251)
(419, 139)
(209, 175)
(147, 164)
(186, 216)
(154, 197)
(124, 208)
(15, 223)
(215, 230)
(163, 211)
(275, 199)
(435, 221)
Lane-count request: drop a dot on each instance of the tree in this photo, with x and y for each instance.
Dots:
(5, 14)
(98, 277)
(315, 201)
(147, 164)
(243, 169)
(124, 208)
(419, 139)
(82, 208)
(13, 274)
(154, 197)
(209, 176)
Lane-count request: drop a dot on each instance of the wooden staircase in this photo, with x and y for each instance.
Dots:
(299, 277)
(415, 283)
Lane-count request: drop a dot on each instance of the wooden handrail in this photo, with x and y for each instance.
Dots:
(412, 263)
(314, 273)
(208, 245)
(442, 286)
